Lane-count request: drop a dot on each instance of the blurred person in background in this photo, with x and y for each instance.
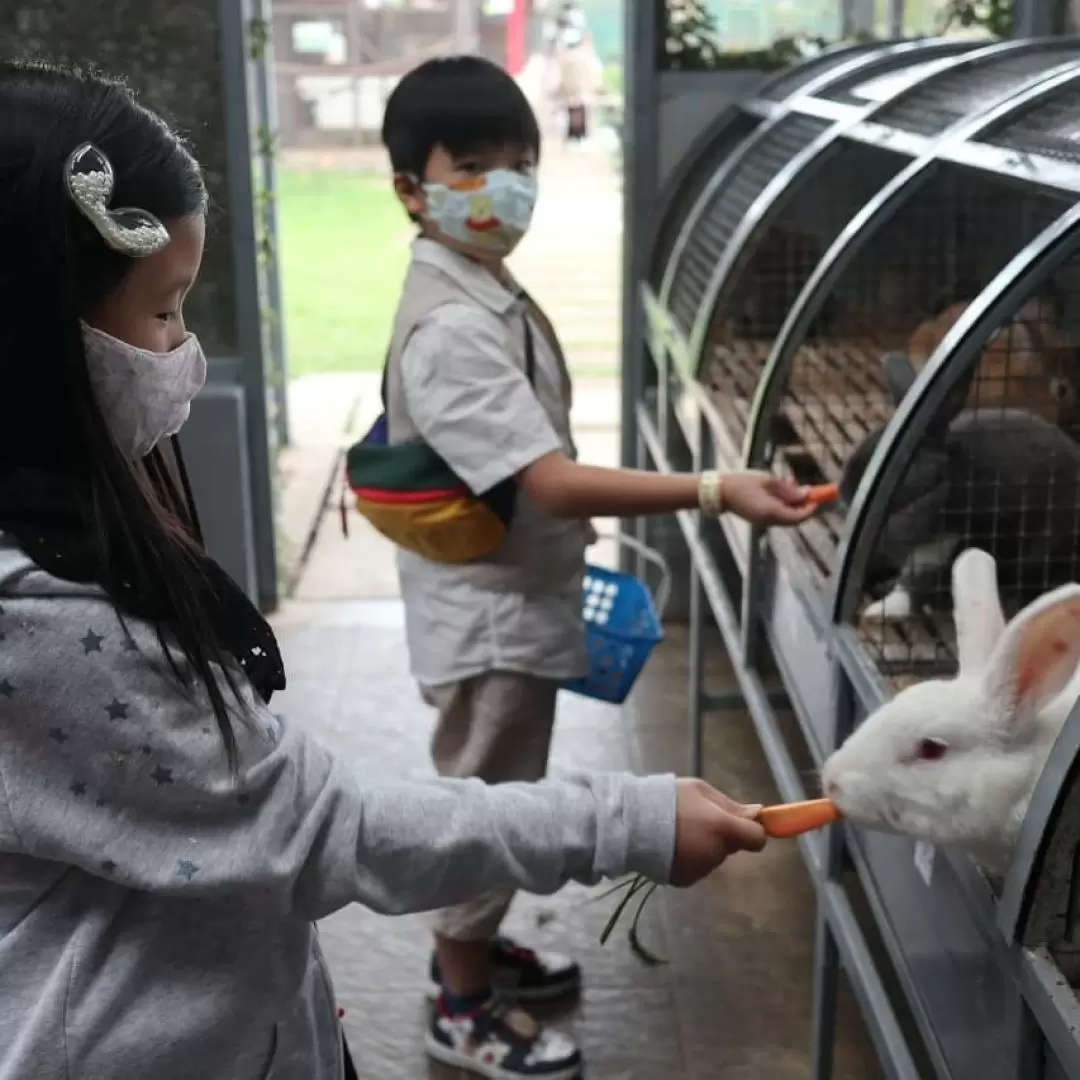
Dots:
(577, 72)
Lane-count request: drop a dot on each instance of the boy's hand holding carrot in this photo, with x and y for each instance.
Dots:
(568, 489)
(765, 499)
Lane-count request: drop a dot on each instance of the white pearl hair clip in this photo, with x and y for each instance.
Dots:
(90, 183)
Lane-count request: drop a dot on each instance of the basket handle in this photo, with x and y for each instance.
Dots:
(650, 555)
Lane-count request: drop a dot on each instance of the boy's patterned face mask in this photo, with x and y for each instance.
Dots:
(489, 213)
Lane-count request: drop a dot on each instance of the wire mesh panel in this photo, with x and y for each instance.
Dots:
(1048, 915)
(999, 467)
(1057, 917)
(780, 260)
(714, 226)
(691, 186)
(861, 87)
(931, 107)
(1051, 128)
(795, 78)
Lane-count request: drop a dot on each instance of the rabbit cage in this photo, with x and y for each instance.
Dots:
(869, 275)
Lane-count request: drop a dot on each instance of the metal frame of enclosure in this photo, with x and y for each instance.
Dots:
(957, 976)
(259, 367)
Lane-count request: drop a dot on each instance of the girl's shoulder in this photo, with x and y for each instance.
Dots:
(20, 576)
(50, 628)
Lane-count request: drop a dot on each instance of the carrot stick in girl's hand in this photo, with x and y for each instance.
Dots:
(794, 819)
(823, 494)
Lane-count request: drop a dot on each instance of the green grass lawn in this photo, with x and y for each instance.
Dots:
(344, 251)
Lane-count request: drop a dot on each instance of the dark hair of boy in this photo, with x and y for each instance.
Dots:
(465, 104)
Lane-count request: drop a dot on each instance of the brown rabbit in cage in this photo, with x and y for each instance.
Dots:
(1027, 364)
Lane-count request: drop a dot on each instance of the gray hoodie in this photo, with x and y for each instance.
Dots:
(156, 915)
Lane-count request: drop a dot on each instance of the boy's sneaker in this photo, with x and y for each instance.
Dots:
(502, 1042)
(523, 974)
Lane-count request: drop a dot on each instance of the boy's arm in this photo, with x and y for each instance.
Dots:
(476, 409)
(566, 488)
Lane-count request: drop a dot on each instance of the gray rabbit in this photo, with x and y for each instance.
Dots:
(1003, 480)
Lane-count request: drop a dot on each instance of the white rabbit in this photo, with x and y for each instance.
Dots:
(955, 761)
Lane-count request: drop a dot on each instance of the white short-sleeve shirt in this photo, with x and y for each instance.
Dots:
(466, 394)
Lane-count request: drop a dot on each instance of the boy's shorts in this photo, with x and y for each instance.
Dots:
(496, 726)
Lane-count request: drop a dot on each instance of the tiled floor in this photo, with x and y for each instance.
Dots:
(734, 1000)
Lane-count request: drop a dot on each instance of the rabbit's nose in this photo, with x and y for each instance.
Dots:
(832, 789)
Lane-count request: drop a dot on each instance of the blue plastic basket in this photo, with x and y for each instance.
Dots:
(622, 627)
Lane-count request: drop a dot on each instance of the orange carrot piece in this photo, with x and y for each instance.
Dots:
(794, 819)
(823, 494)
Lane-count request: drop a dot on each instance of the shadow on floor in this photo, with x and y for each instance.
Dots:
(734, 1000)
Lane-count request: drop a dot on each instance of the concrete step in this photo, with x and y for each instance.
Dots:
(598, 334)
(565, 312)
(593, 359)
(587, 312)
(572, 304)
(552, 292)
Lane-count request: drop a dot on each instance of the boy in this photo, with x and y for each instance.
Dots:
(475, 371)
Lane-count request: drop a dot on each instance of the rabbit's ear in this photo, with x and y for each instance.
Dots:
(976, 609)
(1038, 653)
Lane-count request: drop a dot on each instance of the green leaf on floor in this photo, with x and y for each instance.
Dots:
(633, 887)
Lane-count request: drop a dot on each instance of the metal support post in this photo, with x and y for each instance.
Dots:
(466, 25)
(266, 107)
(1038, 18)
(639, 199)
(826, 951)
(234, 16)
(825, 994)
(894, 18)
(695, 695)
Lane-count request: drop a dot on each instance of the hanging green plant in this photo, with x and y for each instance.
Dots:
(264, 152)
(258, 38)
(266, 148)
(782, 53)
(691, 42)
(690, 37)
(996, 16)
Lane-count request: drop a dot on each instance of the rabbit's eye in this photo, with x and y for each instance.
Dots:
(932, 749)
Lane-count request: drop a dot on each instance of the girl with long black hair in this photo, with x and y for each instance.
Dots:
(166, 843)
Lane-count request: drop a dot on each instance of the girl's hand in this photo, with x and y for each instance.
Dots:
(710, 827)
(764, 499)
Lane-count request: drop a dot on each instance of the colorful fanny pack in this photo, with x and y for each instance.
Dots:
(411, 495)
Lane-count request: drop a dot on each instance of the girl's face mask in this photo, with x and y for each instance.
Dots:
(488, 214)
(144, 396)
